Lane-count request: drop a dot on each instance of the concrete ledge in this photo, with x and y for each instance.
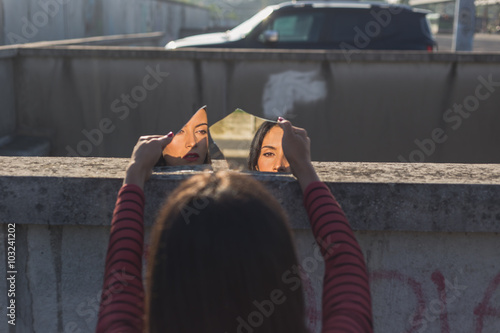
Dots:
(47, 50)
(375, 196)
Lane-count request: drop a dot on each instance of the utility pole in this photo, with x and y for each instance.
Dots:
(464, 25)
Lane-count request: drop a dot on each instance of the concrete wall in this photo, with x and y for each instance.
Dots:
(366, 106)
(429, 234)
(23, 21)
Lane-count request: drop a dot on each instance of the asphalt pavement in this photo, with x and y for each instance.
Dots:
(482, 42)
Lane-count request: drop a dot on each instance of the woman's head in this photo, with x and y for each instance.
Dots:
(190, 145)
(221, 250)
(266, 153)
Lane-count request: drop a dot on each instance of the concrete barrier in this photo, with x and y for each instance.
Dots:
(7, 93)
(429, 233)
(362, 106)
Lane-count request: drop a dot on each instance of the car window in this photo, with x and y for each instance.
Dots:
(346, 25)
(244, 28)
(297, 27)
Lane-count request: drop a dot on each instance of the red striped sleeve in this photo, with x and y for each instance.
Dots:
(122, 299)
(346, 292)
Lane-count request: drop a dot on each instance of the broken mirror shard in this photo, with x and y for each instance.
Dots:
(233, 135)
(190, 145)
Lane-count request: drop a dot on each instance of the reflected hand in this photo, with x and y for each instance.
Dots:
(145, 155)
(297, 149)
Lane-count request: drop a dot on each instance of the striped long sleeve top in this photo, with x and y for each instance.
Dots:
(346, 294)
(122, 298)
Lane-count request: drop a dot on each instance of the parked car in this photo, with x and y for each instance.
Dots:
(325, 25)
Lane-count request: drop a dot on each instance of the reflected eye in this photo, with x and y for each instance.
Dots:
(202, 132)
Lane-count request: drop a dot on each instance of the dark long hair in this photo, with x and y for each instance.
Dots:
(256, 145)
(221, 257)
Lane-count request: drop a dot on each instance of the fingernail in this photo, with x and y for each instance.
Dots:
(170, 134)
(280, 119)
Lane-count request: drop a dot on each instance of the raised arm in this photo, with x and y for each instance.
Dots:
(122, 298)
(346, 292)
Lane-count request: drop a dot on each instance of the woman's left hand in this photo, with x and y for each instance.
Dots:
(146, 153)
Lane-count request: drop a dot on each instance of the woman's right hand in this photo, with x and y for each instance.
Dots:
(146, 153)
(297, 149)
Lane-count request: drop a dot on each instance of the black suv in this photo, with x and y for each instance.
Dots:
(325, 25)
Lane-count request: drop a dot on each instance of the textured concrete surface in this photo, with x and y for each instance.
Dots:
(429, 232)
(256, 54)
(444, 197)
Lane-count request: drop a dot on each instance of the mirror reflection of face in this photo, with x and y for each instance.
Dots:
(271, 157)
(190, 145)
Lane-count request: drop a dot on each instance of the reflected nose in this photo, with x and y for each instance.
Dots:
(191, 140)
(282, 165)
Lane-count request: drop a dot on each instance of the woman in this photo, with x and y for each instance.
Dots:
(266, 153)
(190, 145)
(222, 252)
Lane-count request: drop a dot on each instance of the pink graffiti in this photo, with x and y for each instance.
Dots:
(483, 309)
(438, 279)
(415, 286)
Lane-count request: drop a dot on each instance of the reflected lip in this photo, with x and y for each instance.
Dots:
(191, 157)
